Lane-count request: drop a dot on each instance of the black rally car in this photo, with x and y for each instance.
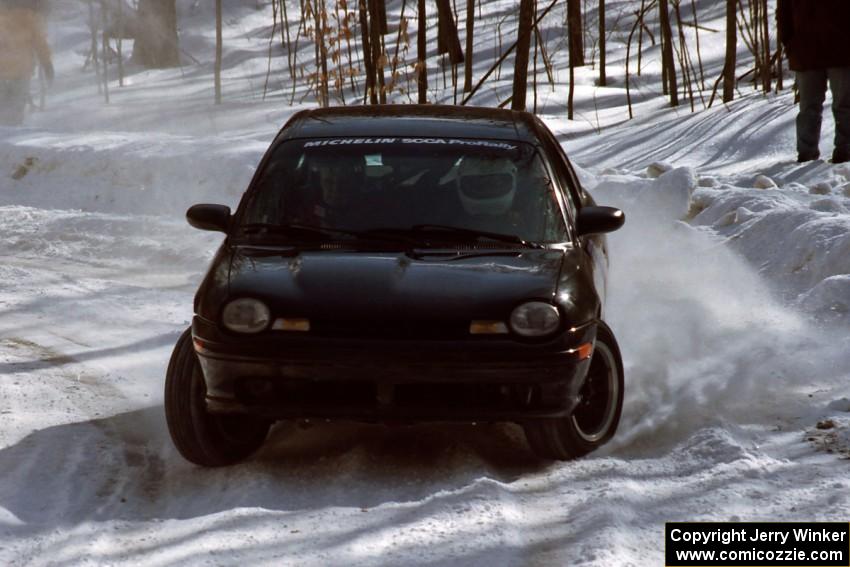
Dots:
(402, 264)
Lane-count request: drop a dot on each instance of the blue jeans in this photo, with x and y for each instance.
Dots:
(14, 95)
(812, 87)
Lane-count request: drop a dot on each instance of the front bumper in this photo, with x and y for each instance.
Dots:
(289, 375)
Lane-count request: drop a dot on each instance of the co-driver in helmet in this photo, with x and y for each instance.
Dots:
(487, 189)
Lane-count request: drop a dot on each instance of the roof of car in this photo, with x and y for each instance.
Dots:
(418, 120)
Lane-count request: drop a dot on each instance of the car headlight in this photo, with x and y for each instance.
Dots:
(246, 316)
(535, 319)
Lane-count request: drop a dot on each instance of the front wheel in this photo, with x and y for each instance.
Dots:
(595, 419)
(203, 438)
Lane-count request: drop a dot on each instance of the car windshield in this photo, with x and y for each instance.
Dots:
(346, 186)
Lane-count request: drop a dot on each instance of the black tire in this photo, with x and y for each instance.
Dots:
(203, 438)
(595, 420)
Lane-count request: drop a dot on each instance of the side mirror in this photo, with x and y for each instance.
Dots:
(209, 217)
(595, 220)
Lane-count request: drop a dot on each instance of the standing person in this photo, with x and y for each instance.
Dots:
(815, 36)
(22, 43)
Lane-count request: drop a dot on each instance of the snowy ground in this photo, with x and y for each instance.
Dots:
(731, 303)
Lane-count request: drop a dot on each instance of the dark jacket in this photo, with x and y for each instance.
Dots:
(815, 33)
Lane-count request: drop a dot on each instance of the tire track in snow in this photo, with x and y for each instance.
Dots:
(64, 453)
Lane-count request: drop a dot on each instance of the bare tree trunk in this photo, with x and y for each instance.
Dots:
(401, 32)
(442, 46)
(526, 18)
(381, 16)
(751, 40)
(504, 56)
(218, 49)
(346, 32)
(470, 31)
(766, 70)
(667, 55)
(755, 22)
(120, 44)
(156, 44)
(421, 68)
(301, 26)
(575, 32)
(731, 51)
(317, 25)
(271, 47)
(285, 29)
(93, 53)
(321, 26)
(378, 58)
(684, 57)
(498, 48)
(534, 73)
(547, 63)
(340, 72)
(603, 79)
(571, 94)
(755, 35)
(448, 32)
(640, 38)
(699, 51)
(105, 47)
(367, 53)
(639, 26)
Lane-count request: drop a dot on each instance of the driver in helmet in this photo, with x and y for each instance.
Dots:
(487, 190)
(334, 192)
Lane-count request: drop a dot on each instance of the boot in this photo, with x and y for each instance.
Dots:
(804, 157)
(840, 155)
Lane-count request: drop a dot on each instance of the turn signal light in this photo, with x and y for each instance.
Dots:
(582, 352)
(291, 324)
(488, 328)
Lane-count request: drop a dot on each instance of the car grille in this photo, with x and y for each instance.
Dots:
(461, 247)
(391, 330)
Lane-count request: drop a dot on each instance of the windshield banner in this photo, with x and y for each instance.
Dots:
(428, 141)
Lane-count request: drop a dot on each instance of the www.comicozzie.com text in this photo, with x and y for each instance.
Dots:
(755, 534)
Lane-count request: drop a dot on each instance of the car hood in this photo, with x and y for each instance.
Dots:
(340, 284)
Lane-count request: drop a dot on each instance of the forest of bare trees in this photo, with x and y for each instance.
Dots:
(360, 51)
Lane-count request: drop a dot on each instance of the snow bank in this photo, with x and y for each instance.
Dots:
(104, 239)
(798, 240)
(124, 172)
(705, 339)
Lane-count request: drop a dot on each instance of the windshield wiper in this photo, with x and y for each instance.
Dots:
(447, 231)
(317, 232)
(294, 230)
(411, 236)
